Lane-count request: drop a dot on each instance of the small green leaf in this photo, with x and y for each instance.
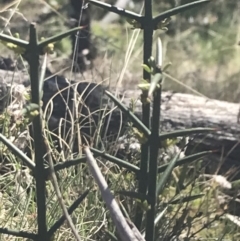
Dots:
(30, 110)
(145, 99)
(139, 135)
(143, 205)
(135, 24)
(166, 66)
(155, 83)
(16, 49)
(147, 68)
(185, 199)
(164, 23)
(49, 48)
(169, 142)
(144, 85)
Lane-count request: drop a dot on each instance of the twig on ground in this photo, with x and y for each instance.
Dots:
(125, 232)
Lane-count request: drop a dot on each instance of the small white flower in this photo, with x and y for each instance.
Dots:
(222, 181)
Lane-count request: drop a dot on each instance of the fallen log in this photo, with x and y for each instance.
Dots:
(180, 111)
(18, 77)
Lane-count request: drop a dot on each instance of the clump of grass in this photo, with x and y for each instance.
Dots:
(161, 198)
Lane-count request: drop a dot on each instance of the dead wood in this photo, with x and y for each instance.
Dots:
(180, 111)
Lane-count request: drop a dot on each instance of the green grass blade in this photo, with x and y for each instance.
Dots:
(134, 195)
(16, 41)
(158, 218)
(186, 160)
(71, 209)
(16, 233)
(177, 10)
(166, 174)
(27, 161)
(115, 160)
(64, 165)
(58, 37)
(186, 132)
(130, 115)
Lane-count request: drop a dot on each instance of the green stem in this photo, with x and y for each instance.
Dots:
(152, 181)
(38, 137)
(147, 35)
